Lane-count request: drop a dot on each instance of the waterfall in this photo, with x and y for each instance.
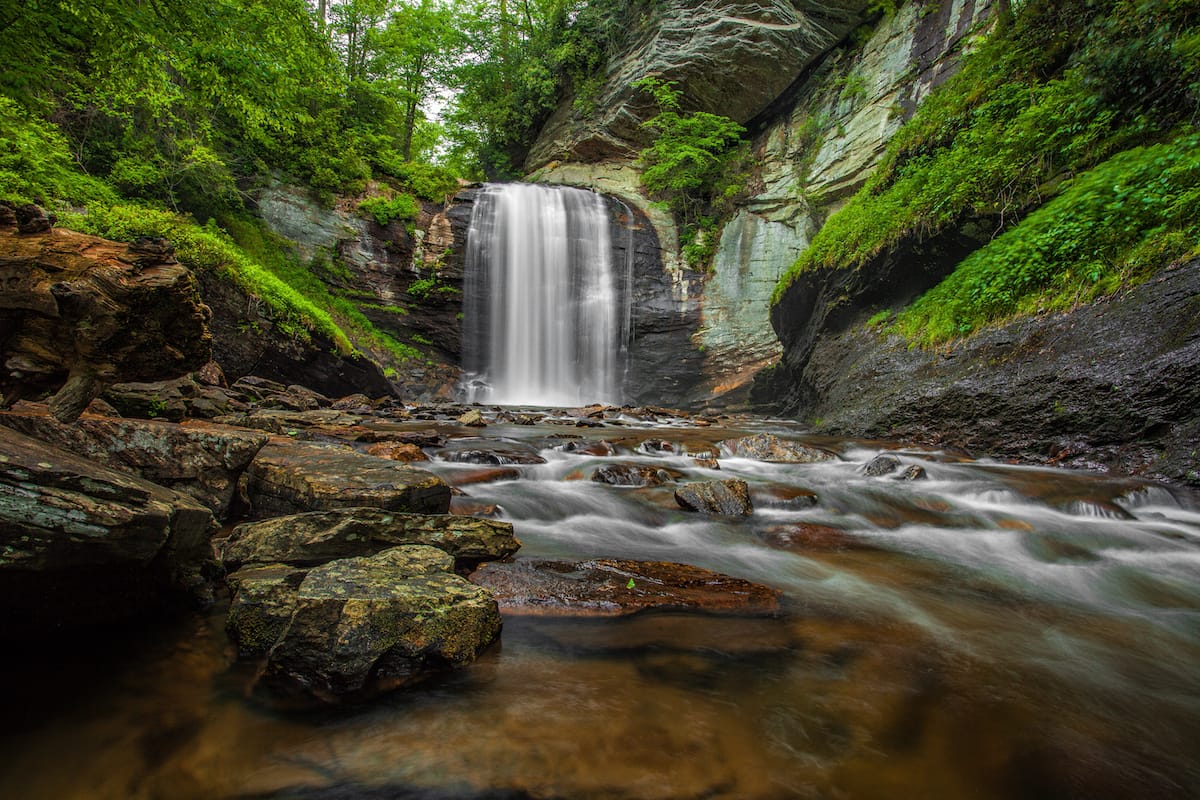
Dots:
(545, 315)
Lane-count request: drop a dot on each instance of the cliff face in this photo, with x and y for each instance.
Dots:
(822, 113)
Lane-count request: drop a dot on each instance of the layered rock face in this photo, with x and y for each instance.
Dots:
(730, 58)
(81, 313)
(1113, 384)
(406, 280)
(821, 117)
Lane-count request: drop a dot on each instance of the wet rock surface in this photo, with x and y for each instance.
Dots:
(771, 448)
(357, 627)
(201, 460)
(635, 475)
(288, 477)
(607, 587)
(1114, 384)
(317, 537)
(729, 498)
(81, 543)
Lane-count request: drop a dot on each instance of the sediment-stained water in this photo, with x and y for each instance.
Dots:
(988, 631)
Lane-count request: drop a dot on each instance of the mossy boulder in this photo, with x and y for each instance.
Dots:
(357, 627)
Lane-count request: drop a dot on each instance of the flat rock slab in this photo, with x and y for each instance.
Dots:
(80, 542)
(289, 477)
(769, 447)
(198, 459)
(322, 536)
(601, 588)
(635, 475)
(357, 627)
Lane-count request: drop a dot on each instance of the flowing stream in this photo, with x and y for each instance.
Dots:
(546, 309)
(993, 631)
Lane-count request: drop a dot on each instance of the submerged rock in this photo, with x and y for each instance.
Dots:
(607, 587)
(728, 498)
(82, 543)
(495, 456)
(319, 537)
(361, 626)
(914, 472)
(769, 447)
(635, 475)
(292, 477)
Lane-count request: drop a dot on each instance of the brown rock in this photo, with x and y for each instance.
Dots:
(84, 313)
(601, 588)
(635, 475)
(397, 451)
(727, 498)
(199, 459)
(472, 419)
(289, 477)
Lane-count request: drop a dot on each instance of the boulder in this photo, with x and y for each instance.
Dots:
(289, 477)
(82, 313)
(472, 419)
(264, 597)
(769, 447)
(726, 498)
(361, 626)
(608, 588)
(495, 456)
(82, 543)
(322, 536)
(882, 464)
(635, 475)
(172, 400)
(914, 472)
(198, 459)
(397, 451)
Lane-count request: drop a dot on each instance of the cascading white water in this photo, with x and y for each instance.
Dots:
(545, 320)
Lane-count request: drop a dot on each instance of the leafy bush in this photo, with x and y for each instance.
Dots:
(1109, 227)
(387, 209)
(36, 164)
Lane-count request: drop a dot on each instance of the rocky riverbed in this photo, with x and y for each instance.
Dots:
(621, 602)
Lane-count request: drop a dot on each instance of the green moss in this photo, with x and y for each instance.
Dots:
(1062, 88)
(1108, 228)
(209, 248)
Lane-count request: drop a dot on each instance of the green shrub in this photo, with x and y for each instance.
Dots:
(387, 209)
(36, 164)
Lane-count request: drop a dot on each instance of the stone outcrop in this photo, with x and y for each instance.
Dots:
(610, 588)
(731, 58)
(200, 460)
(356, 627)
(81, 313)
(318, 537)
(405, 278)
(289, 477)
(1114, 384)
(82, 543)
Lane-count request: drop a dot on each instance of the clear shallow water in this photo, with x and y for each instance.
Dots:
(991, 632)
